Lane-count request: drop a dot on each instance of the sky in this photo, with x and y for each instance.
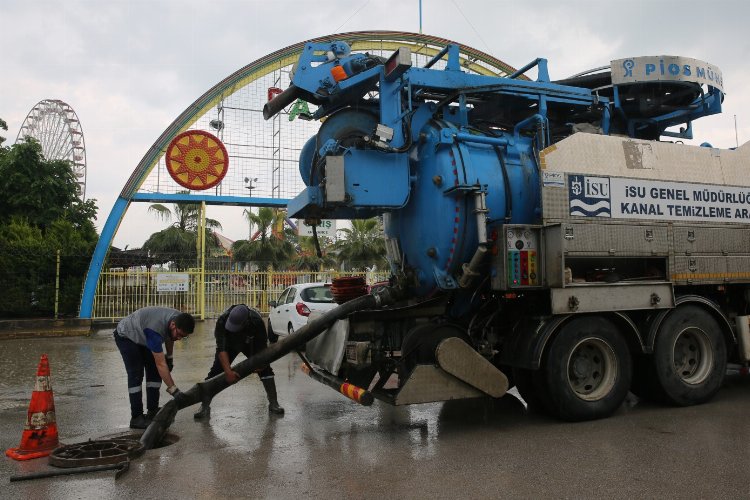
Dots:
(130, 67)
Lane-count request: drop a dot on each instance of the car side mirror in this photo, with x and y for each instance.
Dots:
(272, 303)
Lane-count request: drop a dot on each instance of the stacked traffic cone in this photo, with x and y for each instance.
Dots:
(40, 432)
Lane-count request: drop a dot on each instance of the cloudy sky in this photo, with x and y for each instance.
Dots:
(129, 67)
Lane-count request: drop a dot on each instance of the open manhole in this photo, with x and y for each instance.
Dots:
(104, 451)
(166, 440)
(98, 452)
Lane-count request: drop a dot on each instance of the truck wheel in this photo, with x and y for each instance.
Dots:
(587, 370)
(272, 337)
(690, 356)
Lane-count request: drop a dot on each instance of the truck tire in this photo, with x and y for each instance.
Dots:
(272, 337)
(587, 370)
(690, 357)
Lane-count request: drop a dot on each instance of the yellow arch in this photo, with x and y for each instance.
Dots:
(472, 59)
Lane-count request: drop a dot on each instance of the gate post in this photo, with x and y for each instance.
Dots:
(202, 280)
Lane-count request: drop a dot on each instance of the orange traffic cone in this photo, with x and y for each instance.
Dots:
(40, 432)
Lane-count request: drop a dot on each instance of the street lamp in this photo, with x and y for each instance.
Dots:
(249, 184)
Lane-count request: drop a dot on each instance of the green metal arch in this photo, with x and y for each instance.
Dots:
(359, 40)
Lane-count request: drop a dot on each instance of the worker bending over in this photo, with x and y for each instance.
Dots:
(139, 337)
(240, 329)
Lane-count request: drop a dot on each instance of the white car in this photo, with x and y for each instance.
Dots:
(294, 306)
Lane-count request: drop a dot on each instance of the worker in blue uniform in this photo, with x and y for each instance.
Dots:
(145, 339)
(240, 329)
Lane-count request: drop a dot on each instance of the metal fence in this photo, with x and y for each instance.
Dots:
(37, 282)
(205, 295)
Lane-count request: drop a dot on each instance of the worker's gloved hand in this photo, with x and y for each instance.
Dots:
(178, 396)
(170, 362)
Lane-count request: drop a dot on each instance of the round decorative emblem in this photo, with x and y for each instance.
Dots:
(197, 160)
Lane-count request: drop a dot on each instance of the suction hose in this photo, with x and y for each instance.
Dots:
(206, 390)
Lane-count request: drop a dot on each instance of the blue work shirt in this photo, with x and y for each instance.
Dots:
(148, 326)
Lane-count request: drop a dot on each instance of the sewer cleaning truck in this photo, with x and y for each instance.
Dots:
(554, 235)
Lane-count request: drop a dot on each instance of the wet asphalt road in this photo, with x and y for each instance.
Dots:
(328, 447)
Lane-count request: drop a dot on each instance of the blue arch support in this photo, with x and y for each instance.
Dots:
(100, 253)
(118, 212)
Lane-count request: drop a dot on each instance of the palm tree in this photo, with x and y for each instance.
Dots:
(180, 239)
(307, 257)
(187, 215)
(265, 248)
(363, 245)
(171, 244)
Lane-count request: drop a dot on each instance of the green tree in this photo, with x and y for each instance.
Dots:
(41, 214)
(362, 246)
(40, 190)
(264, 248)
(186, 215)
(179, 242)
(307, 255)
(3, 126)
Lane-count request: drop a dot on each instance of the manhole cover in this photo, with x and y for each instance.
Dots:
(99, 452)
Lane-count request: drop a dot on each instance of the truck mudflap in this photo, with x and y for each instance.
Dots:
(460, 373)
(458, 358)
(429, 383)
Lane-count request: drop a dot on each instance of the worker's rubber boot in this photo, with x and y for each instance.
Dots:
(139, 422)
(273, 405)
(151, 414)
(204, 413)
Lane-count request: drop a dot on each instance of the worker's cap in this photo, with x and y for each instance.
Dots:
(237, 318)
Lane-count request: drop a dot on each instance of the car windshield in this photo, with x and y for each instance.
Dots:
(317, 294)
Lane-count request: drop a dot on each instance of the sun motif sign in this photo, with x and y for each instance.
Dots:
(197, 160)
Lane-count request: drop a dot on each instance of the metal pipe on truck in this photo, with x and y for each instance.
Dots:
(280, 102)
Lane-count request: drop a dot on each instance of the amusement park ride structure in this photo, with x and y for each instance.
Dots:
(55, 126)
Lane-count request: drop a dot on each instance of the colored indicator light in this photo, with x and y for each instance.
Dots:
(532, 268)
(338, 73)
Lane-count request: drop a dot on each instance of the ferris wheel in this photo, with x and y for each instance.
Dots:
(55, 126)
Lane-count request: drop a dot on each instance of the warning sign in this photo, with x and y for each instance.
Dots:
(172, 282)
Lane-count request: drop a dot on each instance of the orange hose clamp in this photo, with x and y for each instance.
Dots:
(338, 73)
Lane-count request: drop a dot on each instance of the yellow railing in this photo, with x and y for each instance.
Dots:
(119, 293)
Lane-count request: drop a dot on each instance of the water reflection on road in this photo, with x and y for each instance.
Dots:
(326, 446)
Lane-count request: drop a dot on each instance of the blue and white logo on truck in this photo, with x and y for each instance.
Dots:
(623, 198)
(589, 196)
(666, 68)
